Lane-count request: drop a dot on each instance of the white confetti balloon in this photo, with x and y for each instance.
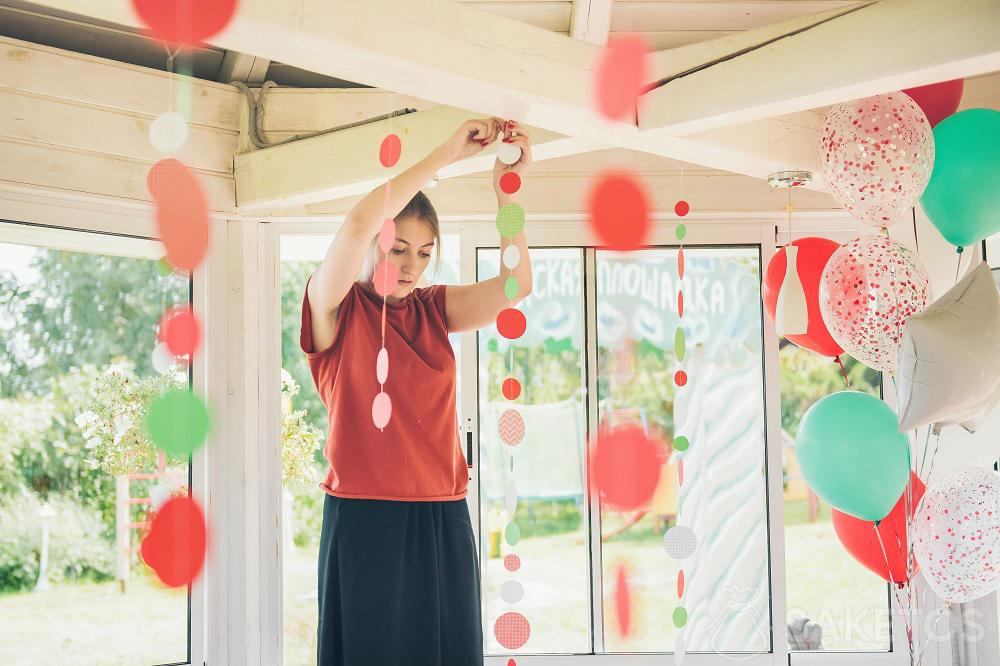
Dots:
(956, 535)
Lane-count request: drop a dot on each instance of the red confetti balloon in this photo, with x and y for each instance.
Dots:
(621, 76)
(682, 208)
(511, 323)
(680, 378)
(511, 388)
(626, 466)
(680, 584)
(619, 211)
(389, 152)
(186, 22)
(623, 601)
(181, 212)
(510, 182)
(938, 100)
(385, 278)
(181, 331)
(175, 545)
(512, 630)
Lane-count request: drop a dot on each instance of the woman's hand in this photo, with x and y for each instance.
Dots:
(472, 136)
(512, 133)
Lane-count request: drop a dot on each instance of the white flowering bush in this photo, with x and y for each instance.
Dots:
(299, 439)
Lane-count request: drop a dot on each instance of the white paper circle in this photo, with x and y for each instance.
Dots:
(509, 153)
(382, 366)
(510, 498)
(511, 591)
(168, 132)
(158, 496)
(679, 542)
(511, 256)
(163, 360)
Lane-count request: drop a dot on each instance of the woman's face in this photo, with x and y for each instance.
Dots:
(411, 252)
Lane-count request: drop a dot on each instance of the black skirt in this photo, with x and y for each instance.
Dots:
(398, 584)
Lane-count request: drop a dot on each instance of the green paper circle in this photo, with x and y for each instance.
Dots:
(680, 617)
(681, 443)
(681, 231)
(510, 220)
(177, 422)
(163, 267)
(510, 288)
(680, 349)
(512, 534)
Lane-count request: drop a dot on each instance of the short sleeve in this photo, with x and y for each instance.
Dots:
(305, 334)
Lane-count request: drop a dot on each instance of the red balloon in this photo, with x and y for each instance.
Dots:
(625, 466)
(621, 74)
(511, 323)
(619, 211)
(185, 22)
(859, 539)
(938, 100)
(175, 545)
(812, 257)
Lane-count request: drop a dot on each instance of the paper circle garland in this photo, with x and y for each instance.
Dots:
(956, 535)
(390, 150)
(381, 410)
(511, 256)
(385, 278)
(382, 365)
(512, 630)
(510, 183)
(511, 323)
(680, 542)
(509, 153)
(510, 220)
(618, 211)
(168, 132)
(869, 288)
(511, 427)
(876, 156)
(178, 422)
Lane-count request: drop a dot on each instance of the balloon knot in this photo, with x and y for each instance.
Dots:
(960, 249)
(876, 522)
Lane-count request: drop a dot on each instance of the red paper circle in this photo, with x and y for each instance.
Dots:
(185, 21)
(680, 472)
(512, 562)
(390, 150)
(680, 303)
(620, 77)
(510, 182)
(181, 332)
(512, 630)
(680, 263)
(680, 584)
(511, 388)
(619, 211)
(623, 601)
(511, 323)
(181, 212)
(812, 257)
(938, 100)
(385, 278)
(175, 544)
(680, 378)
(682, 208)
(626, 466)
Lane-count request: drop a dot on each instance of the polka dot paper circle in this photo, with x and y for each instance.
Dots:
(512, 562)
(679, 542)
(510, 220)
(511, 427)
(512, 630)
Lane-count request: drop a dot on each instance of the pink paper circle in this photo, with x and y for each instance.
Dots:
(511, 427)
(390, 150)
(512, 630)
(620, 77)
(382, 366)
(381, 410)
(387, 236)
(385, 278)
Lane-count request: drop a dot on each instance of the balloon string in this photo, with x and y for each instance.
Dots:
(916, 240)
(843, 370)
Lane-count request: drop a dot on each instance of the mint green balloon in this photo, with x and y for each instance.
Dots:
(178, 422)
(852, 454)
(510, 288)
(962, 198)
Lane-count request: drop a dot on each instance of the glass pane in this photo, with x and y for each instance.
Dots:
(304, 429)
(76, 469)
(825, 585)
(723, 496)
(547, 473)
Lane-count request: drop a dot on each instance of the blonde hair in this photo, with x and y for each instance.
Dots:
(421, 208)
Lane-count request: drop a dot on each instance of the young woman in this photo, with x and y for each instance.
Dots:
(398, 565)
